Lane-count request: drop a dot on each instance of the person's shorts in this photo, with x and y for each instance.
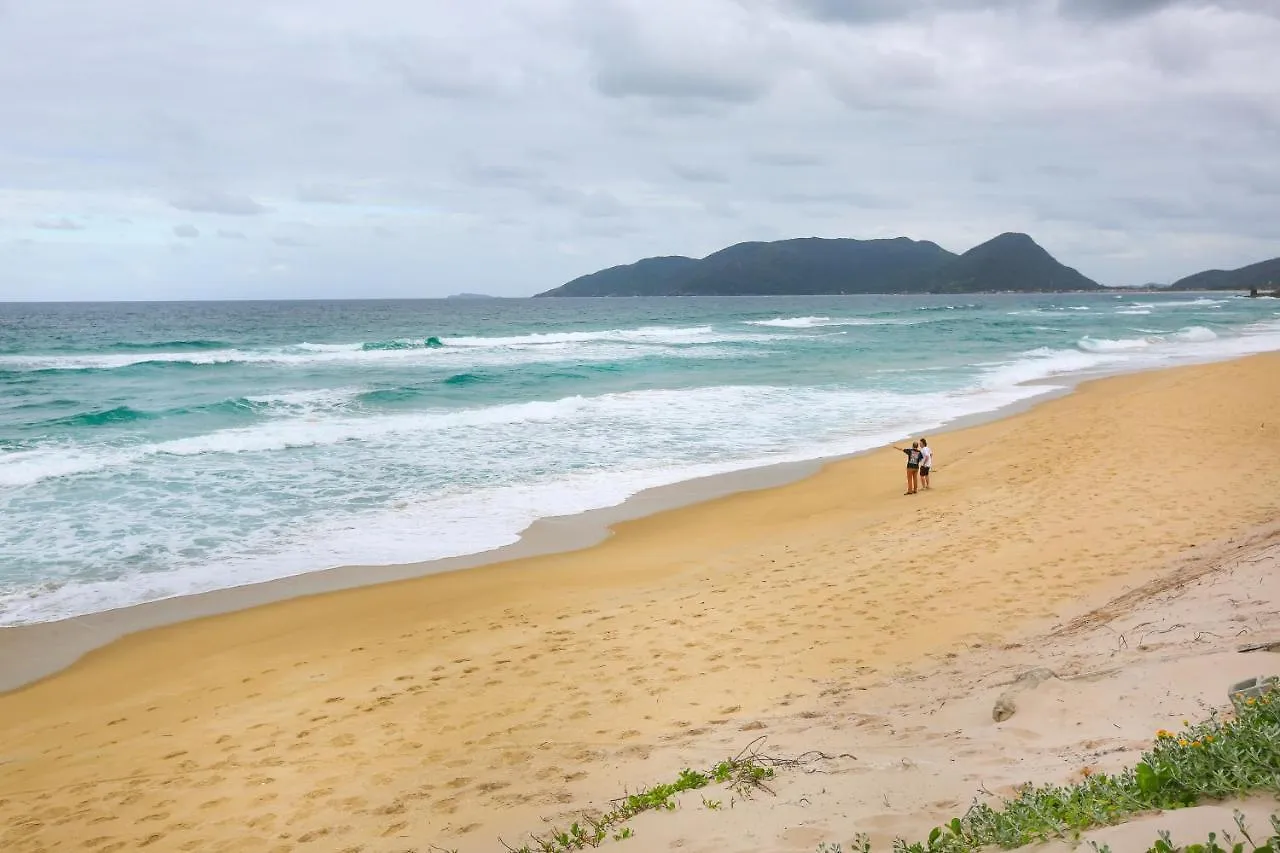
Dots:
(912, 467)
(924, 472)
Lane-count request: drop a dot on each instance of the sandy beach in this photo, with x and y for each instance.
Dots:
(832, 614)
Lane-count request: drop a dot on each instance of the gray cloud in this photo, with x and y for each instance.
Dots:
(514, 145)
(1115, 10)
(834, 197)
(601, 205)
(787, 159)
(640, 76)
(1109, 9)
(870, 11)
(700, 174)
(289, 242)
(864, 12)
(226, 204)
(322, 194)
(635, 53)
(60, 223)
(433, 67)
(186, 231)
(501, 176)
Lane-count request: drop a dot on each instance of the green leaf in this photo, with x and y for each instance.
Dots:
(1148, 779)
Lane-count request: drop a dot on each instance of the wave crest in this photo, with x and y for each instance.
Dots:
(819, 322)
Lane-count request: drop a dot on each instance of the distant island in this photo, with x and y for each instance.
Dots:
(472, 296)
(1264, 275)
(1011, 262)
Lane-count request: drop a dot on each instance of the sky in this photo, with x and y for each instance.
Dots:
(174, 149)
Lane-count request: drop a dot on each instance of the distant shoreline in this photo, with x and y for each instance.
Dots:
(1109, 290)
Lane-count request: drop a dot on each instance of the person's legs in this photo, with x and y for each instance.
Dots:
(924, 477)
(909, 473)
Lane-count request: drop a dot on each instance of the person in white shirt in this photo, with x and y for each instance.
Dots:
(926, 462)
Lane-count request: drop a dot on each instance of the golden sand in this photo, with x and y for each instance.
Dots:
(446, 709)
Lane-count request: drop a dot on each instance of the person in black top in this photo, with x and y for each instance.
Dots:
(913, 466)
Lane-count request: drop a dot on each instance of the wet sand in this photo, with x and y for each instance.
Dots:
(453, 708)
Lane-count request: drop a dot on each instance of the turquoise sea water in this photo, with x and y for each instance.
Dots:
(153, 450)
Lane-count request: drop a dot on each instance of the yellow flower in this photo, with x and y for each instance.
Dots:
(1208, 738)
(1182, 742)
(1185, 723)
(1163, 735)
(1250, 701)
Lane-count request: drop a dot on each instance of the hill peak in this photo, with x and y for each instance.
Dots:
(815, 265)
(1010, 238)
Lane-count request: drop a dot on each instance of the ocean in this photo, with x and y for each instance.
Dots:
(150, 450)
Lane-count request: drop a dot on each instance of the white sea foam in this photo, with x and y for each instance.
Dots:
(308, 400)
(1039, 364)
(1189, 334)
(1198, 302)
(1106, 345)
(443, 482)
(1157, 348)
(1058, 312)
(644, 335)
(630, 441)
(817, 322)
(603, 345)
(302, 431)
(1196, 334)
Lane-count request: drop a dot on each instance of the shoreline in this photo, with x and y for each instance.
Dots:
(32, 652)
(830, 613)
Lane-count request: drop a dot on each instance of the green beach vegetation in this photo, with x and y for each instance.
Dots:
(1214, 760)
(743, 774)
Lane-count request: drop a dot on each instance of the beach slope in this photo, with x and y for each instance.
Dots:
(453, 708)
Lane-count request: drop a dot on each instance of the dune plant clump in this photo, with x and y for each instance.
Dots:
(743, 774)
(1212, 760)
(1243, 843)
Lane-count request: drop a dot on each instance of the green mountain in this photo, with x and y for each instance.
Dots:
(1264, 275)
(1009, 262)
(812, 265)
(649, 277)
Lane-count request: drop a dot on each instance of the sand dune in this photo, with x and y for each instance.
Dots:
(918, 748)
(832, 614)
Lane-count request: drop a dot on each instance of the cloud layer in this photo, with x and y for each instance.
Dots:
(423, 148)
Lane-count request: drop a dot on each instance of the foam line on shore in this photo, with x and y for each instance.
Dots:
(29, 653)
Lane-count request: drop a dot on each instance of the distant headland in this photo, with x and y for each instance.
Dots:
(1011, 262)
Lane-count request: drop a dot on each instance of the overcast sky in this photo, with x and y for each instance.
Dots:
(326, 148)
